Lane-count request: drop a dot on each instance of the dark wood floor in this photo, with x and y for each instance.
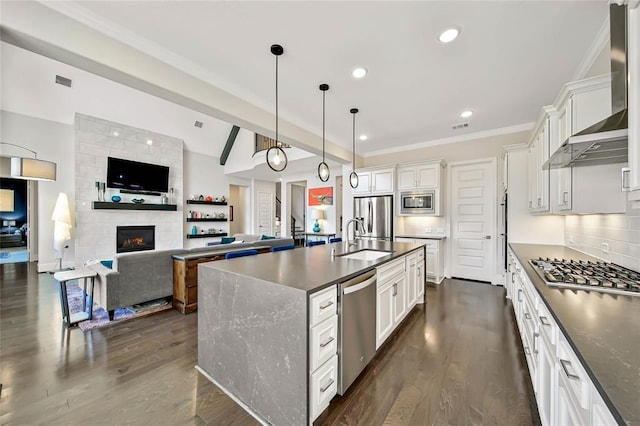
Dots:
(456, 362)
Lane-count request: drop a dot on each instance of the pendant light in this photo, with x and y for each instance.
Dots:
(323, 168)
(276, 157)
(28, 168)
(353, 177)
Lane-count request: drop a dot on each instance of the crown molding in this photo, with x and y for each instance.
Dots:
(601, 40)
(462, 138)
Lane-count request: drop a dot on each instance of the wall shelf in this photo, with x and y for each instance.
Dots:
(208, 219)
(211, 203)
(105, 205)
(207, 235)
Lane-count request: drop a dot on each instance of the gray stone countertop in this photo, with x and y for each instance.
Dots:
(603, 329)
(423, 237)
(311, 268)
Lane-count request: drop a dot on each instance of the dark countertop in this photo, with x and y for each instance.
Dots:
(423, 237)
(311, 268)
(603, 329)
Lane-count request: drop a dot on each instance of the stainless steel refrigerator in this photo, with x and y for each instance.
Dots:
(376, 214)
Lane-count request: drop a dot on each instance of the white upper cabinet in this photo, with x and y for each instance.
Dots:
(418, 176)
(375, 181)
(633, 177)
(538, 178)
(590, 189)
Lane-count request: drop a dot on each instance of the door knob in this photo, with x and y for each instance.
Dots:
(487, 237)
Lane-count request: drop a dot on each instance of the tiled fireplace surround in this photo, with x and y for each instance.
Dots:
(95, 140)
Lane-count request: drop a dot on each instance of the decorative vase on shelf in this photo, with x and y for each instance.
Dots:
(116, 199)
(316, 226)
(194, 230)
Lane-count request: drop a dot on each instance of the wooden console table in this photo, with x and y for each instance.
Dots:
(185, 274)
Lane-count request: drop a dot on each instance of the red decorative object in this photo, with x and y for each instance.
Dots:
(208, 199)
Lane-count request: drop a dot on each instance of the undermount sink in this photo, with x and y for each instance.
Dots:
(365, 254)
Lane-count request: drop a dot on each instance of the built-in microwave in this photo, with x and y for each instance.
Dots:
(418, 202)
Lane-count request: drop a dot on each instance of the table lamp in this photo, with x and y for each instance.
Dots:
(317, 215)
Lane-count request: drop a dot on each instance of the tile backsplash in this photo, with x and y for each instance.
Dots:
(420, 225)
(619, 234)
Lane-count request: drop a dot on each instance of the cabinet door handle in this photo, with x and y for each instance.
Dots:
(565, 366)
(535, 347)
(329, 303)
(530, 204)
(626, 186)
(527, 351)
(325, 344)
(519, 293)
(527, 315)
(395, 289)
(324, 388)
(565, 197)
(539, 202)
(544, 320)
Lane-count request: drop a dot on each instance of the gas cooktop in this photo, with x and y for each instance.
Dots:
(586, 275)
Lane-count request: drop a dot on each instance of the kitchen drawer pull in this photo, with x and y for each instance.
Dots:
(519, 293)
(565, 366)
(527, 315)
(535, 347)
(539, 202)
(327, 305)
(544, 320)
(565, 197)
(395, 289)
(527, 351)
(325, 344)
(324, 388)
(626, 186)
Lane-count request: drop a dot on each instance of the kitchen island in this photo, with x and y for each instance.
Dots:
(254, 320)
(602, 329)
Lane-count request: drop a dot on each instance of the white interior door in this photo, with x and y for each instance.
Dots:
(265, 213)
(473, 200)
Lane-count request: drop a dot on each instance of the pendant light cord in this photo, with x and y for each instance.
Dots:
(323, 94)
(354, 143)
(276, 101)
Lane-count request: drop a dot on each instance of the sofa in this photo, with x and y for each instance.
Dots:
(141, 276)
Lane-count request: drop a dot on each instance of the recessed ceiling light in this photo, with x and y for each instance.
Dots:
(466, 114)
(149, 142)
(359, 72)
(449, 34)
(364, 137)
(115, 133)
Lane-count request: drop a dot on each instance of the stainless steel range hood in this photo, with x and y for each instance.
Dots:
(606, 141)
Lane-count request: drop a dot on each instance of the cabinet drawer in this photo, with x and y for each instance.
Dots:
(324, 385)
(323, 305)
(323, 342)
(576, 377)
(432, 244)
(390, 269)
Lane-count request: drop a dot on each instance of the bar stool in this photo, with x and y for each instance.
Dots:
(283, 247)
(315, 243)
(63, 278)
(335, 240)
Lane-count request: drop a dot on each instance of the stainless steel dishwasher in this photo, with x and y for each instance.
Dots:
(357, 320)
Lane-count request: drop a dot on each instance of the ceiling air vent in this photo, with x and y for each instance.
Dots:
(460, 126)
(198, 124)
(63, 80)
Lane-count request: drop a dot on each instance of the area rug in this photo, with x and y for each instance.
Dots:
(14, 256)
(101, 316)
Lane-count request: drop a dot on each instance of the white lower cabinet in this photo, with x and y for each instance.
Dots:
(412, 280)
(564, 393)
(323, 349)
(391, 303)
(420, 279)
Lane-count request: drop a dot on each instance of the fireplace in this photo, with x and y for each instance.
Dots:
(135, 238)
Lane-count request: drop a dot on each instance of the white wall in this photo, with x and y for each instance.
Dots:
(53, 142)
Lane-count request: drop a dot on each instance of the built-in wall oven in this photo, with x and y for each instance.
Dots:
(418, 202)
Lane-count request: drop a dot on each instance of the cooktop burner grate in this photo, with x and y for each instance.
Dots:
(587, 275)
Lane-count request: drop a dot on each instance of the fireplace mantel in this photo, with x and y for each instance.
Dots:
(104, 205)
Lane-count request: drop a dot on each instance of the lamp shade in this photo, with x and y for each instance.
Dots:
(7, 198)
(62, 222)
(33, 169)
(317, 214)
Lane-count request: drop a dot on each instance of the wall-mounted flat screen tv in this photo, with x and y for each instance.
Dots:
(136, 177)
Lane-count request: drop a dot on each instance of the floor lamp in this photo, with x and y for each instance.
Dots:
(62, 225)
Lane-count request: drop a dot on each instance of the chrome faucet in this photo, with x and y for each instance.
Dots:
(354, 234)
